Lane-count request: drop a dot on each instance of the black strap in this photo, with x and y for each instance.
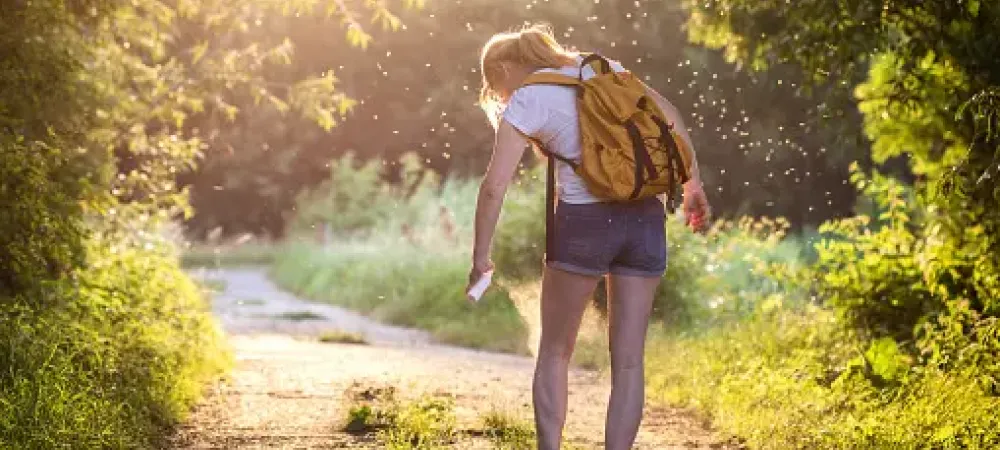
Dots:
(550, 209)
(592, 57)
(643, 162)
(550, 155)
(550, 195)
(650, 166)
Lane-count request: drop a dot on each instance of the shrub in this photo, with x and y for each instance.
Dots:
(120, 354)
(803, 380)
(42, 223)
(356, 198)
(410, 263)
(897, 276)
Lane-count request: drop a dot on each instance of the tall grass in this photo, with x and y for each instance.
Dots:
(408, 264)
(208, 255)
(801, 380)
(117, 356)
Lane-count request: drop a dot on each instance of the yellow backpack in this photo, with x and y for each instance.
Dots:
(629, 151)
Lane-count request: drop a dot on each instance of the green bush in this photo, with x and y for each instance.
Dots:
(356, 198)
(802, 380)
(120, 354)
(867, 268)
(42, 223)
(892, 359)
(409, 263)
(895, 276)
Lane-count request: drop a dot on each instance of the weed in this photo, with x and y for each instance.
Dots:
(507, 432)
(342, 337)
(425, 423)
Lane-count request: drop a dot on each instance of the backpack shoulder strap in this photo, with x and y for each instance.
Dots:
(550, 78)
(598, 63)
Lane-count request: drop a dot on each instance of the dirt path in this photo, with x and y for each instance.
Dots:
(288, 389)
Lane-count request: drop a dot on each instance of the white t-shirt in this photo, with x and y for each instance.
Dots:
(548, 113)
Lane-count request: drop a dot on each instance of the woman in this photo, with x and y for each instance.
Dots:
(625, 241)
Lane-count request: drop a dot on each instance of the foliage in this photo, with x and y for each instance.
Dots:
(42, 223)
(422, 424)
(924, 75)
(354, 199)
(428, 423)
(519, 245)
(751, 130)
(120, 354)
(508, 432)
(803, 380)
(45, 181)
(399, 252)
(866, 267)
(105, 341)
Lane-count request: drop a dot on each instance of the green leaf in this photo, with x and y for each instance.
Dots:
(886, 359)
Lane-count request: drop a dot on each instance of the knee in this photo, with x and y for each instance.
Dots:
(560, 352)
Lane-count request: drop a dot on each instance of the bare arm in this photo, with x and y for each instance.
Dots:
(507, 151)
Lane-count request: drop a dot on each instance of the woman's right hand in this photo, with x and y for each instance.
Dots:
(479, 268)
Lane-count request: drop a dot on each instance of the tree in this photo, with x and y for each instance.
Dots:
(767, 149)
(95, 102)
(930, 80)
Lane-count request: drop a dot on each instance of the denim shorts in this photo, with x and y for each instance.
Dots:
(621, 238)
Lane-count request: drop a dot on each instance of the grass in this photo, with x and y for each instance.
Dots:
(213, 286)
(342, 337)
(508, 432)
(247, 254)
(114, 363)
(425, 423)
(792, 380)
(404, 284)
(429, 422)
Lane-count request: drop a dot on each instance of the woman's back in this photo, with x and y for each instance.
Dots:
(548, 113)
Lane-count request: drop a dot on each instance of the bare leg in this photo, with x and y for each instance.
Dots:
(629, 306)
(564, 298)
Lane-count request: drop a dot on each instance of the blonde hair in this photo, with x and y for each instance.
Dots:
(533, 46)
